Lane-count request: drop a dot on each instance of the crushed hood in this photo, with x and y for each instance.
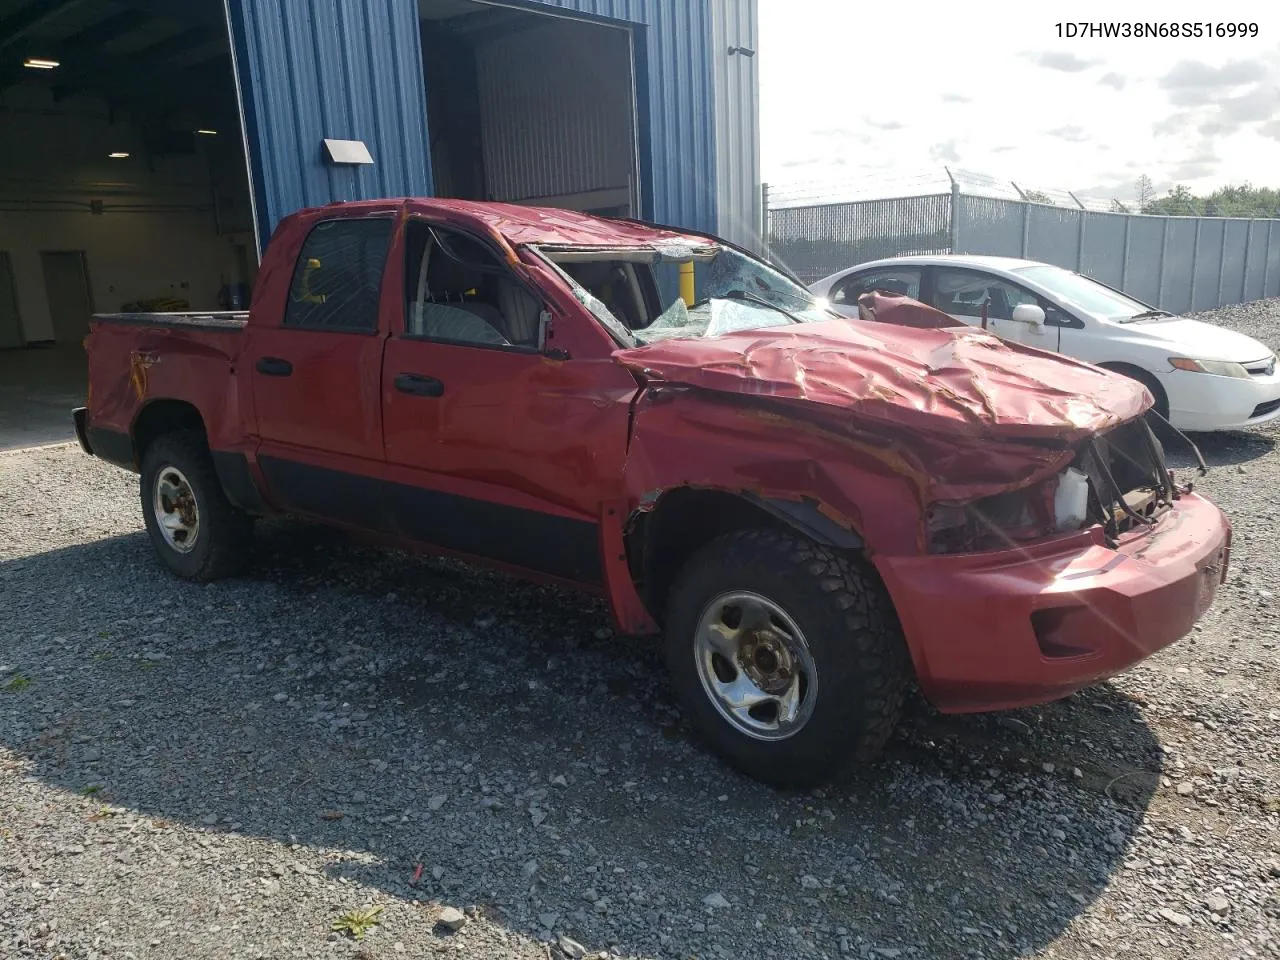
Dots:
(953, 381)
(959, 411)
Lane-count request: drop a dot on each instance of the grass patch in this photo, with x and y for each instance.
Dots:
(356, 923)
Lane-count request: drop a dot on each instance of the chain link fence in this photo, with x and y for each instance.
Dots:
(1180, 264)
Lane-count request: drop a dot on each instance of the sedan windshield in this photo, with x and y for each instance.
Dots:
(1089, 296)
(646, 296)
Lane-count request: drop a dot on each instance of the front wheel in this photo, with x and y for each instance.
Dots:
(194, 528)
(787, 657)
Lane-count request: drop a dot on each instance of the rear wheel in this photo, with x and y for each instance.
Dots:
(787, 657)
(193, 527)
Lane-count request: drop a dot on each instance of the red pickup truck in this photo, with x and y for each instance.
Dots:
(814, 511)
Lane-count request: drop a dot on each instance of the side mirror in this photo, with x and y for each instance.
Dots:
(1029, 313)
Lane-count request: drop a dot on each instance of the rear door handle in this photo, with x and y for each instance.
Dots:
(274, 367)
(417, 385)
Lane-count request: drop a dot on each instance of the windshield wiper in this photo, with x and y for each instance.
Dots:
(761, 301)
(1148, 315)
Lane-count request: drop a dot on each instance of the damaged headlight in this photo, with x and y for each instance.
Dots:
(1058, 505)
(1071, 500)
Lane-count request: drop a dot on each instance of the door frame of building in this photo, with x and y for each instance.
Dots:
(88, 286)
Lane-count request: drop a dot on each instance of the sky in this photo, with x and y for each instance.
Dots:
(878, 97)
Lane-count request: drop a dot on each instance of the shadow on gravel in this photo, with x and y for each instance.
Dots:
(1224, 449)
(417, 712)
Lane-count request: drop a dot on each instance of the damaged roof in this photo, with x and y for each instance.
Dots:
(520, 225)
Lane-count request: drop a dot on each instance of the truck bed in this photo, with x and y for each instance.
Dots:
(197, 319)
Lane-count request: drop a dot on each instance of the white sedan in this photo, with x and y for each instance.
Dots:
(1202, 377)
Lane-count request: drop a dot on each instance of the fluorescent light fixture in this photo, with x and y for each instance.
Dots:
(118, 155)
(40, 63)
(208, 133)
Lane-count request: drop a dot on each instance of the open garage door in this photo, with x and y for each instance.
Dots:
(123, 181)
(530, 108)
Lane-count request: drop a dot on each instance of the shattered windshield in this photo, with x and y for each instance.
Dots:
(646, 296)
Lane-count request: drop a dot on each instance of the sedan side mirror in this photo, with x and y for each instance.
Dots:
(1029, 313)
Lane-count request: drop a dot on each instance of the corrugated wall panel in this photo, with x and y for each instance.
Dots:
(736, 23)
(316, 69)
(567, 126)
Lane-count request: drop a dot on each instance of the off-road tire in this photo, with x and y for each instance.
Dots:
(853, 635)
(224, 544)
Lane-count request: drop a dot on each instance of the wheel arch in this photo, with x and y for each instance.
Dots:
(162, 416)
(684, 519)
(1146, 378)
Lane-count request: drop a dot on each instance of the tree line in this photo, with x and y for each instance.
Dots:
(1236, 201)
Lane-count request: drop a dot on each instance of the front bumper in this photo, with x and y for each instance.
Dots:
(1200, 402)
(1013, 628)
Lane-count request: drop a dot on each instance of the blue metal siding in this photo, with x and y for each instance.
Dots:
(316, 69)
(352, 69)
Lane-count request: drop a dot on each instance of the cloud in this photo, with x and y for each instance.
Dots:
(1271, 129)
(1192, 73)
(1071, 134)
(1174, 123)
(1004, 149)
(1221, 116)
(944, 152)
(1062, 60)
(843, 133)
(884, 124)
(1114, 80)
(1194, 168)
(1191, 83)
(1260, 103)
(955, 98)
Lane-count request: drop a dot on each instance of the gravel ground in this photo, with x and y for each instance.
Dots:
(225, 771)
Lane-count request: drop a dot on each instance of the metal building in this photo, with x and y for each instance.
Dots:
(149, 147)
(641, 106)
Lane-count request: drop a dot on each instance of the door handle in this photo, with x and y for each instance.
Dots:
(417, 385)
(274, 367)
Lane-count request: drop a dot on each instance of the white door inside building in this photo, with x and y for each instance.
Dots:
(66, 285)
(10, 321)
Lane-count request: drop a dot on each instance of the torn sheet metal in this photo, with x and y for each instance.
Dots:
(876, 307)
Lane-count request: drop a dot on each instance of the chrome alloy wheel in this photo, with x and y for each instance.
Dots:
(755, 666)
(176, 512)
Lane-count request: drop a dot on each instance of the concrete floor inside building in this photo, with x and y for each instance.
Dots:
(38, 389)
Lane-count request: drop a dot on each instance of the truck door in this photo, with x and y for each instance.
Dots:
(494, 448)
(315, 372)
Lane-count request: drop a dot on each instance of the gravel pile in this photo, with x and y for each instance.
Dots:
(361, 754)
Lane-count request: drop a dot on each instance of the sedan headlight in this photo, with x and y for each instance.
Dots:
(1217, 368)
